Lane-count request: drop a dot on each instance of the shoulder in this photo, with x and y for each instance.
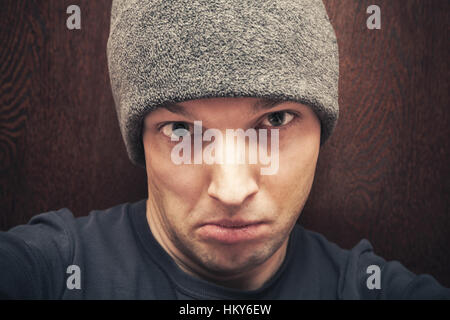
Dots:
(110, 224)
(59, 229)
(40, 251)
(317, 245)
(46, 230)
(359, 273)
(322, 265)
(63, 220)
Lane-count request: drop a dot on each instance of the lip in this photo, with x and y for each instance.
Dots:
(232, 231)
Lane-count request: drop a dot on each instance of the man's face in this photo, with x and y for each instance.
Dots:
(228, 218)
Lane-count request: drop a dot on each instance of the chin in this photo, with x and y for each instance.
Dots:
(229, 262)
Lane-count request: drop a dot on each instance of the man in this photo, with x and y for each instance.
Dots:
(186, 76)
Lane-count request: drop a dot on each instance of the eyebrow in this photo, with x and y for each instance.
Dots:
(260, 104)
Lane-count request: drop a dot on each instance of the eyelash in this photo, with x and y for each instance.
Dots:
(295, 118)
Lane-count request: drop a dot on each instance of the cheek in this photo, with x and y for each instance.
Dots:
(291, 185)
(178, 185)
(299, 152)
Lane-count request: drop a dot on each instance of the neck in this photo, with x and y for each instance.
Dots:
(249, 279)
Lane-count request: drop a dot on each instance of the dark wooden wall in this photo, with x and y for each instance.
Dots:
(384, 174)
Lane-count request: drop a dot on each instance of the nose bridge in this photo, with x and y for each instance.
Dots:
(233, 181)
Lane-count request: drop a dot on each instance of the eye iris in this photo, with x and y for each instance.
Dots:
(178, 125)
(180, 129)
(277, 118)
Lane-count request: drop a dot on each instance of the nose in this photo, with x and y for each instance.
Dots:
(232, 184)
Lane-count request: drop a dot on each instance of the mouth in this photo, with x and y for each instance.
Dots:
(232, 231)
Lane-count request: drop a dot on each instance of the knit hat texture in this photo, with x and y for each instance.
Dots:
(162, 51)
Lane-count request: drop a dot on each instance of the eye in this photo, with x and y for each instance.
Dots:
(277, 119)
(175, 130)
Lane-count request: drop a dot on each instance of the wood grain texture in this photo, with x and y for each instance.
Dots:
(383, 175)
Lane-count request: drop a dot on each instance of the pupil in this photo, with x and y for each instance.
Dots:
(276, 118)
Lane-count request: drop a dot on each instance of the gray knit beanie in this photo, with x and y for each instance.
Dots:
(163, 51)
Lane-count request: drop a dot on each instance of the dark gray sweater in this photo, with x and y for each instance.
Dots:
(118, 258)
